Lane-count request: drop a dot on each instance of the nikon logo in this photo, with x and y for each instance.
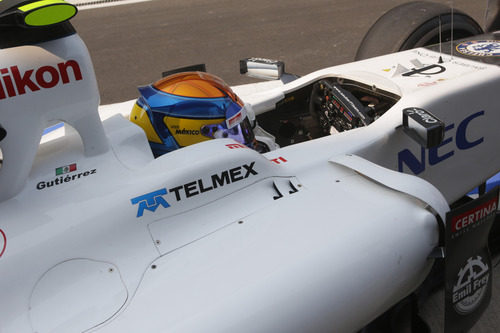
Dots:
(187, 132)
(14, 83)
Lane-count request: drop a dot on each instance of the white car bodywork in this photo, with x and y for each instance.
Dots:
(319, 236)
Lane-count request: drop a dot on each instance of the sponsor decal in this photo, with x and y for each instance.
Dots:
(151, 201)
(279, 160)
(187, 132)
(421, 115)
(433, 69)
(212, 182)
(472, 218)
(236, 146)
(455, 61)
(480, 48)
(471, 286)
(264, 60)
(236, 119)
(430, 84)
(14, 83)
(468, 273)
(66, 169)
(3, 242)
(415, 69)
(436, 155)
(64, 179)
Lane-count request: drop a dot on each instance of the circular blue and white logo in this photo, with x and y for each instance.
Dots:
(480, 48)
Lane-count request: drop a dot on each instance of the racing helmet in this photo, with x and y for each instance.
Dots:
(186, 108)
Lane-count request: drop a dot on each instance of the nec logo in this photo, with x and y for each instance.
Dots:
(14, 83)
(444, 150)
(150, 201)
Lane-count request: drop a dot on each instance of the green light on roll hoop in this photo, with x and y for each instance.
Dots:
(47, 12)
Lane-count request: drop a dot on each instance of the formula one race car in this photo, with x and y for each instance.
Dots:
(311, 204)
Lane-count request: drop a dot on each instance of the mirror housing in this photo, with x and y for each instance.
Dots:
(423, 127)
(261, 68)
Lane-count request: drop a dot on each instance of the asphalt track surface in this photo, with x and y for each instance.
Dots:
(131, 45)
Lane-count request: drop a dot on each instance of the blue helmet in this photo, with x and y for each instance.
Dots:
(187, 108)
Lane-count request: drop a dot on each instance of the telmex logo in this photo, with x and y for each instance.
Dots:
(151, 201)
(14, 83)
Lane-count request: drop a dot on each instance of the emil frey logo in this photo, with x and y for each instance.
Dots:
(150, 201)
(14, 83)
(471, 285)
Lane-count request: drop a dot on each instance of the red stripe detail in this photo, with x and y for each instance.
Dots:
(4, 242)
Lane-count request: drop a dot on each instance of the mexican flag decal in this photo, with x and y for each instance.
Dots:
(65, 169)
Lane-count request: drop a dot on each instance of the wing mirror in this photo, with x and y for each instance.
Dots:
(266, 69)
(423, 127)
(261, 68)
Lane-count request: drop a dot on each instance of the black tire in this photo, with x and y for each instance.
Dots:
(415, 24)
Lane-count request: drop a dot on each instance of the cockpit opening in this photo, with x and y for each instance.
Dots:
(327, 106)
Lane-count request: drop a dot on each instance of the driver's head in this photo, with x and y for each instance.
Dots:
(187, 108)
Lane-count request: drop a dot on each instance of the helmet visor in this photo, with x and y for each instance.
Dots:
(241, 132)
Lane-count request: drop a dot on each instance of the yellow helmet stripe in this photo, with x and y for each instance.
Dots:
(140, 117)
